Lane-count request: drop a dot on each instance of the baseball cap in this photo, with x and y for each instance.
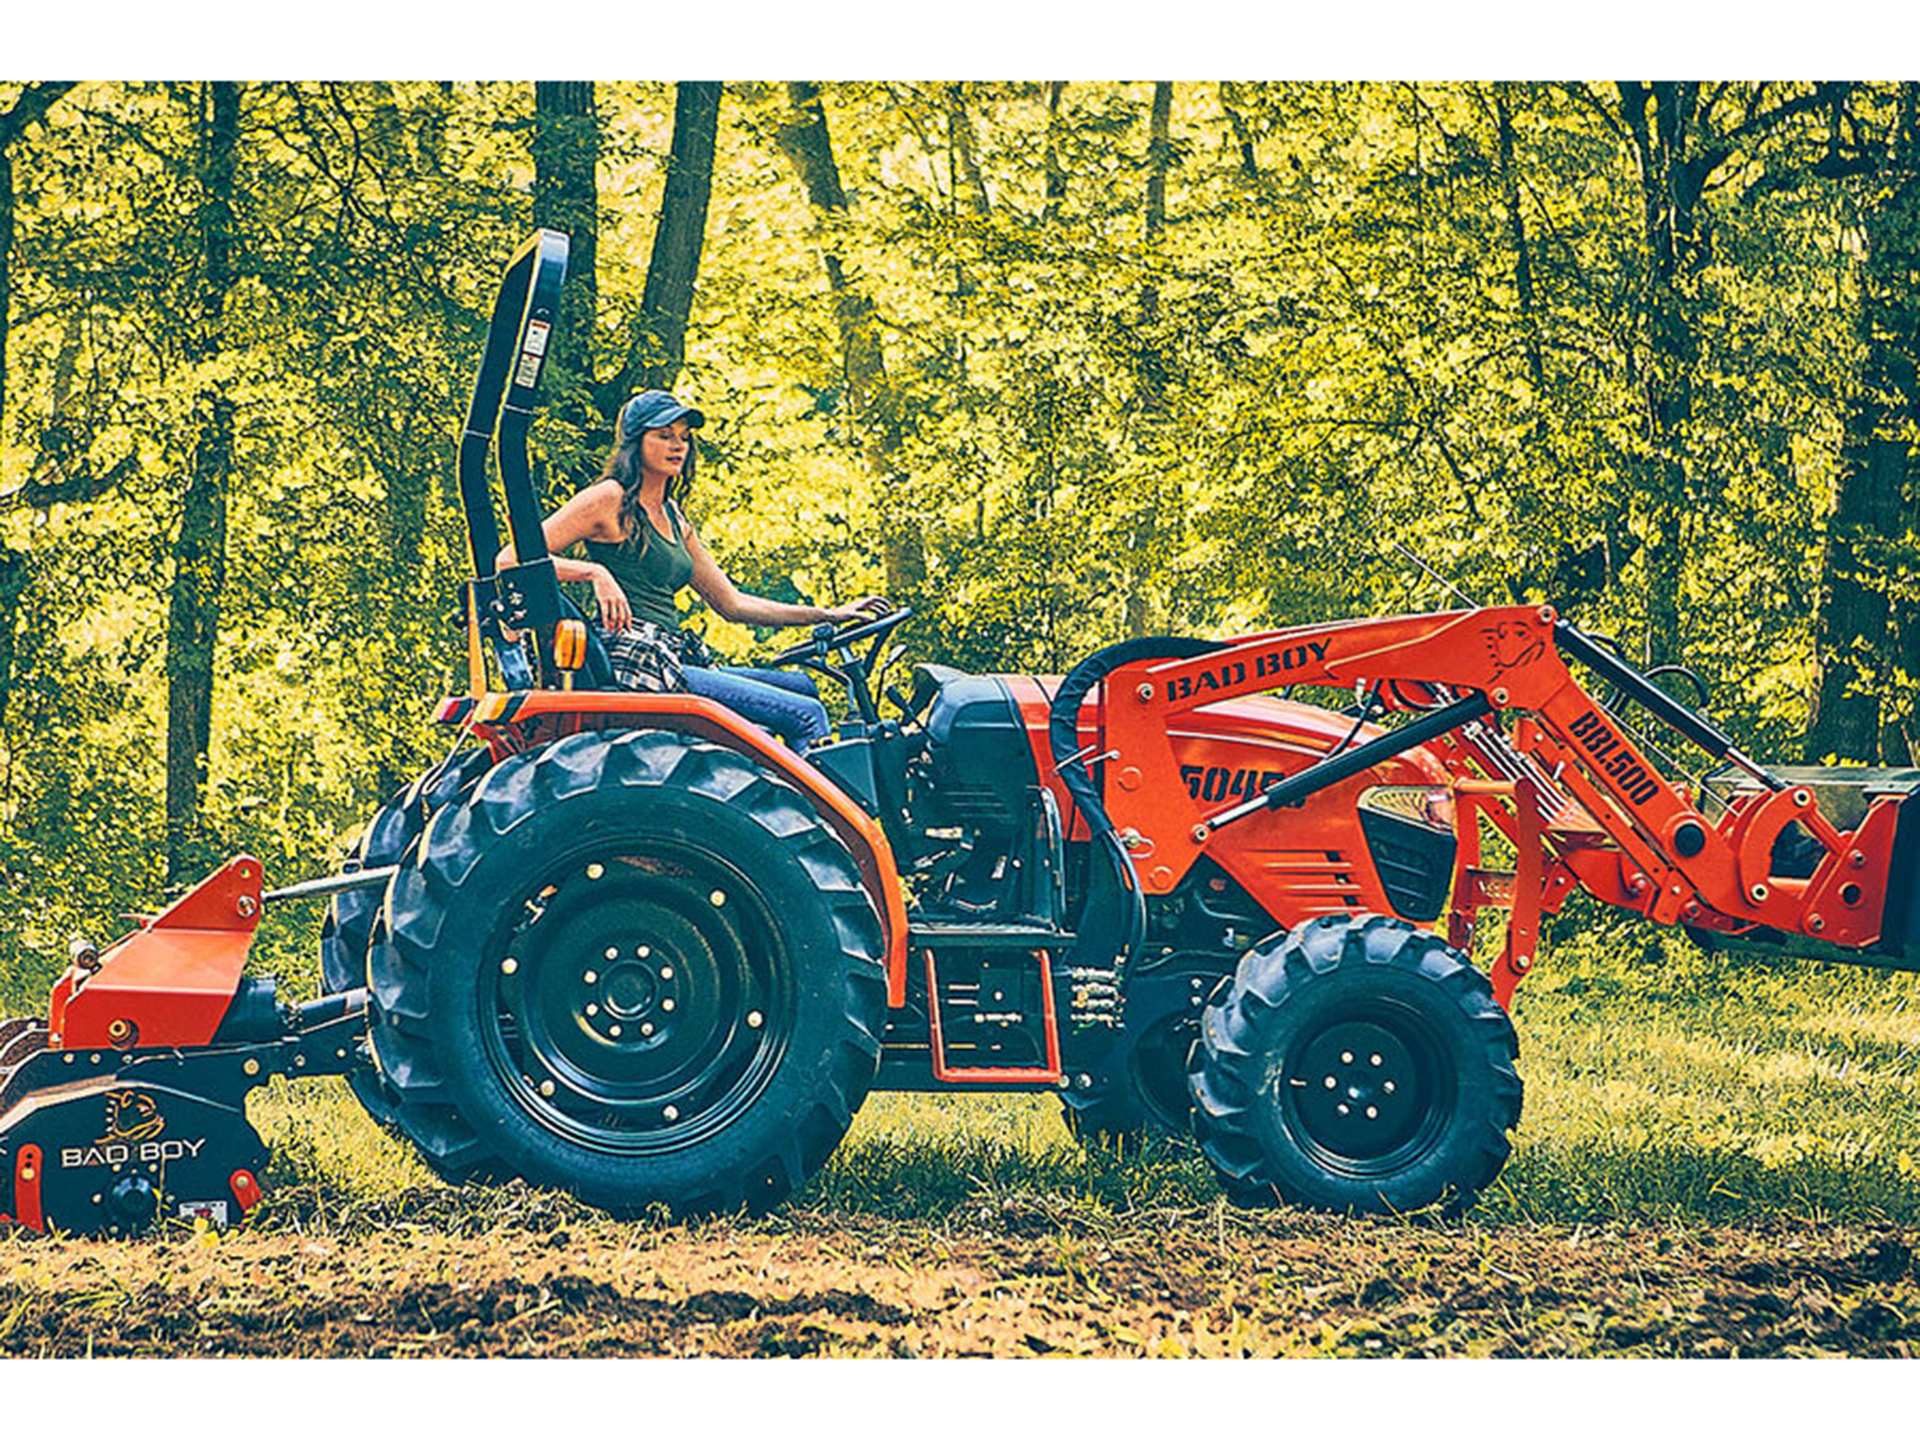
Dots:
(654, 410)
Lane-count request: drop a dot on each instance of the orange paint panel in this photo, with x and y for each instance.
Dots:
(246, 1190)
(173, 978)
(27, 1170)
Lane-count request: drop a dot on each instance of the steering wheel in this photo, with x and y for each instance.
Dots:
(826, 640)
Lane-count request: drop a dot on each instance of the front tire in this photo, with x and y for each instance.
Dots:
(1356, 1064)
(632, 966)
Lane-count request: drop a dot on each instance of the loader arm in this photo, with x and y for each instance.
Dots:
(1568, 778)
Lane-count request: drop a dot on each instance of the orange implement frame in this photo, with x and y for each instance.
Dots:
(1049, 1074)
(169, 982)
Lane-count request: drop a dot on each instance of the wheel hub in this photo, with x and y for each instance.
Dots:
(629, 990)
(633, 1008)
(1358, 1089)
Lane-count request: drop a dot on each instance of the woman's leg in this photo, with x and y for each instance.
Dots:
(798, 681)
(800, 720)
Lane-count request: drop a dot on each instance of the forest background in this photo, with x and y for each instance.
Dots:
(1055, 363)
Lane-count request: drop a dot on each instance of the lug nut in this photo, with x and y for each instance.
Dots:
(1331, 1082)
(1373, 1112)
(546, 1087)
(755, 1020)
(592, 1010)
(592, 977)
(1373, 1059)
(612, 954)
(646, 1028)
(1346, 1057)
(644, 951)
(672, 1112)
(717, 898)
(614, 1031)
(666, 1004)
(509, 965)
(596, 870)
(1388, 1087)
(666, 972)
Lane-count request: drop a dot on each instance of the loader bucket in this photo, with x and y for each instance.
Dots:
(1900, 922)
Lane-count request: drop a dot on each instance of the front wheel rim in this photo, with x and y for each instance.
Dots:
(1368, 1092)
(636, 1002)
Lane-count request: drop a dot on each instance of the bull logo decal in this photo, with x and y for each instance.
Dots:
(131, 1116)
(1512, 644)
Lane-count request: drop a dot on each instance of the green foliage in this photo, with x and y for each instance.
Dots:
(1376, 315)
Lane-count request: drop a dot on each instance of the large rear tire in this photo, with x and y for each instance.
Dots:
(353, 916)
(1356, 1064)
(633, 966)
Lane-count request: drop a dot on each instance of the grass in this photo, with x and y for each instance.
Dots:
(1676, 1088)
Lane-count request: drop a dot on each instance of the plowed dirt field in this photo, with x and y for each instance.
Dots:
(556, 1281)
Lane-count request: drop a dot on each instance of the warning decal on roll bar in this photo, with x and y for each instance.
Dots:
(534, 347)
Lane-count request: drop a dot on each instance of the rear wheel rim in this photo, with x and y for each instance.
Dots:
(638, 1002)
(1367, 1092)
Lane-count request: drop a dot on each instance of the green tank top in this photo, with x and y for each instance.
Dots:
(650, 573)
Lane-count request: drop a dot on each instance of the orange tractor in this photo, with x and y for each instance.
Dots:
(632, 946)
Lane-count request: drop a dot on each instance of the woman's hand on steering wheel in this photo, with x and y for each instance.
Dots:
(868, 607)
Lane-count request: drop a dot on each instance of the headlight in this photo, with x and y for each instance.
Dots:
(1428, 805)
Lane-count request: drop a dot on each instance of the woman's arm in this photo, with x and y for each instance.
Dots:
(729, 602)
(593, 514)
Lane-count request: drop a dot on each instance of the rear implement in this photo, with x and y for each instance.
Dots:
(127, 1105)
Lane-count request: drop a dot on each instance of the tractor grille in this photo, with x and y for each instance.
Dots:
(1415, 863)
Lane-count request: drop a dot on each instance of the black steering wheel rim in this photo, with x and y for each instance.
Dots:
(817, 649)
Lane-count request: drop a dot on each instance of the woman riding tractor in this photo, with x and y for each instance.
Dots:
(642, 550)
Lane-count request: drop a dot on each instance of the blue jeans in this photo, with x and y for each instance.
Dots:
(782, 701)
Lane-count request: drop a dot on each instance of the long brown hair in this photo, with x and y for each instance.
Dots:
(624, 465)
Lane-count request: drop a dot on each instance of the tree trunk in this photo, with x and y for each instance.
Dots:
(1152, 379)
(1242, 134)
(6, 270)
(967, 179)
(31, 105)
(1056, 192)
(803, 137)
(200, 550)
(1857, 631)
(680, 236)
(1659, 117)
(15, 575)
(566, 197)
(1522, 252)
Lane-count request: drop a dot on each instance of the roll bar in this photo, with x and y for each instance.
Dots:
(519, 335)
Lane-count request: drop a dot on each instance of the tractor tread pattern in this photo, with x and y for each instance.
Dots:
(353, 924)
(511, 794)
(1226, 1067)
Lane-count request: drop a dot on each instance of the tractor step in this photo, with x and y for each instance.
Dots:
(986, 934)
